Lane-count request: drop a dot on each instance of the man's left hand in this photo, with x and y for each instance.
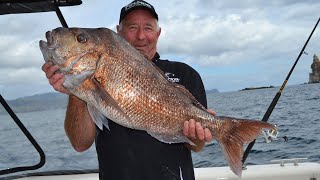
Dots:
(196, 133)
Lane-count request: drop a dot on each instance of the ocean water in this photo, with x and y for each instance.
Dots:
(297, 116)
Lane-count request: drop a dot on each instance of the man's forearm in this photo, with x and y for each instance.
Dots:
(79, 126)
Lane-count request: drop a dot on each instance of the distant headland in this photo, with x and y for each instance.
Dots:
(38, 102)
(212, 91)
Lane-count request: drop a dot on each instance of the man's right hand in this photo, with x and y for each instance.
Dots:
(55, 79)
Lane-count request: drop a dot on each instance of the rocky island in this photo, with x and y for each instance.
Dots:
(314, 77)
(254, 88)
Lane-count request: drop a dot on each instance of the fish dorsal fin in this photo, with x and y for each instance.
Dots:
(186, 92)
(159, 70)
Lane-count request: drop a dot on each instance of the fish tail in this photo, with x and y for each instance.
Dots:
(233, 133)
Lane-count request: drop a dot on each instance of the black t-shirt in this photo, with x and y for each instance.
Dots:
(128, 154)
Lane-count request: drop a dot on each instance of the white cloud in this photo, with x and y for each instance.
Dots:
(228, 40)
(24, 54)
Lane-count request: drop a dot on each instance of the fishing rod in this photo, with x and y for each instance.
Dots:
(277, 96)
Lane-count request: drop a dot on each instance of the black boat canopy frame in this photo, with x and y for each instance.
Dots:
(31, 6)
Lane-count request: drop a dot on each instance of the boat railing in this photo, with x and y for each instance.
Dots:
(282, 162)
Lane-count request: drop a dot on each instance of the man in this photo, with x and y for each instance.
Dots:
(128, 154)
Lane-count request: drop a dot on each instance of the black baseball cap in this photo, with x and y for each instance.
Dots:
(137, 4)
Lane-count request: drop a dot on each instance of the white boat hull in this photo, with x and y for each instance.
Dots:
(290, 171)
(302, 171)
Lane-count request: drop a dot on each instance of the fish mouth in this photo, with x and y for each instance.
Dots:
(47, 47)
(50, 43)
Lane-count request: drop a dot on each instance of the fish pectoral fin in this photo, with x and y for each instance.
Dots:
(169, 138)
(98, 117)
(113, 110)
(73, 80)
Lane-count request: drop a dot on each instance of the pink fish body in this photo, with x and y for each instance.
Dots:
(117, 82)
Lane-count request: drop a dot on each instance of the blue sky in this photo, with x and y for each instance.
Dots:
(231, 44)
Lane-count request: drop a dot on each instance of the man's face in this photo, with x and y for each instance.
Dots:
(141, 30)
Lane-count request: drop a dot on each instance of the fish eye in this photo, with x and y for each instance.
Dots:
(81, 38)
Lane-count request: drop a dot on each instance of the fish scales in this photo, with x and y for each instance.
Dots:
(133, 100)
(118, 82)
(139, 97)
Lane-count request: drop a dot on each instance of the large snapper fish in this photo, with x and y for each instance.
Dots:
(119, 83)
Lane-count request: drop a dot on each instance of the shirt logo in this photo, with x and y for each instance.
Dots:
(172, 77)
